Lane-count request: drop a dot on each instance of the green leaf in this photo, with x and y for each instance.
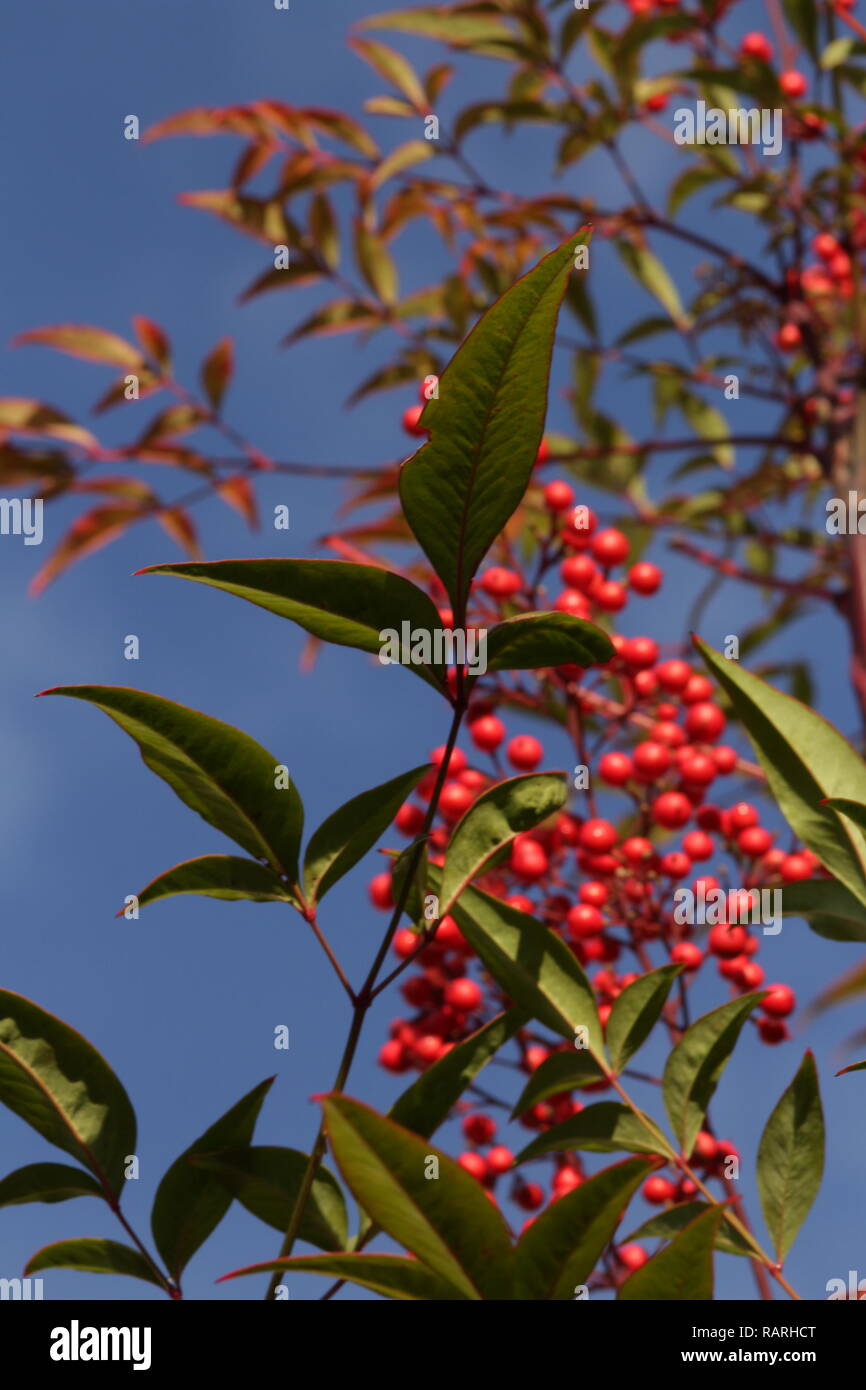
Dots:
(266, 1180)
(534, 967)
(563, 1245)
(57, 1082)
(843, 990)
(710, 424)
(82, 340)
(447, 1222)
(562, 1071)
(791, 1158)
(855, 1066)
(93, 1256)
(828, 907)
(667, 1224)
(339, 602)
(802, 15)
(695, 1065)
(218, 876)
(532, 640)
(604, 1128)
(635, 1011)
(215, 769)
(376, 263)
(345, 836)
(492, 821)
(391, 1275)
(191, 1202)
(394, 68)
(683, 1270)
(649, 272)
(47, 1182)
(806, 761)
(461, 487)
(442, 22)
(427, 1103)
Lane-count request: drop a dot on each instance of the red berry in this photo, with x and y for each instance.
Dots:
(543, 454)
(795, 867)
(645, 578)
(529, 1196)
(754, 840)
(675, 864)
(528, 859)
(558, 496)
(727, 941)
(640, 652)
(671, 810)
(487, 733)
(474, 1164)
(584, 921)
(704, 721)
(569, 601)
(525, 752)
(673, 676)
(632, 1256)
(479, 1129)
(688, 954)
(579, 572)
(565, 1180)
(669, 733)
(409, 819)
(499, 1159)
(780, 1001)
(392, 1056)
(463, 994)
(381, 895)
(772, 1030)
(751, 975)
(793, 83)
(454, 800)
(657, 1190)
(724, 758)
(534, 1057)
(411, 418)
(825, 246)
(637, 850)
(500, 583)
(615, 768)
(755, 45)
(610, 596)
(741, 817)
(789, 337)
(698, 769)
(651, 760)
(405, 943)
(597, 835)
(698, 845)
(610, 547)
(596, 894)
(457, 762)
(697, 688)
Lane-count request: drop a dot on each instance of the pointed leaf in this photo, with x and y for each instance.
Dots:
(429, 1100)
(93, 1256)
(191, 1202)
(462, 486)
(507, 809)
(216, 371)
(532, 640)
(828, 907)
(806, 761)
(791, 1158)
(855, 1066)
(348, 604)
(444, 22)
(635, 1012)
(669, 1223)
(345, 836)
(561, 1072)
(215, 769)
(563, 1244)
(267, 1180)
(57, 1082)
(391, 1275)
(47, 1182)
(694, 1067)
(82, 340)
(604, 1128)
(648, 270)
(683, 1269)
(534, 967)
(218, 876)
(447, 1222)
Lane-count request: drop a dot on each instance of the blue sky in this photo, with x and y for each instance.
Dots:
(183, 1003)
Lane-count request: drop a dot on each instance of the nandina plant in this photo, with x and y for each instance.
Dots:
(558, 918)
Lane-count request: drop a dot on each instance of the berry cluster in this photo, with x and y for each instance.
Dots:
(604, 884)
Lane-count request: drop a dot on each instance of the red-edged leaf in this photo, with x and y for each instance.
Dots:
(82, 340)
(217, 370)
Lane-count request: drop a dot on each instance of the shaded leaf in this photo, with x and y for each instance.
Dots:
(607, 1127)
(428, 1101)
(683, 1270)
(215, 769)
(93, 1256)
(57, 1082)
(562, 1071)
(635, 1011)
(828, 907)
(221, 876)
(47, 1182)
(347, 834)
(267, 1180)
(693, 1068)
(391, 1275)
(667, 1224)
(791, 1158)
(532, 640)
(82, 340)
